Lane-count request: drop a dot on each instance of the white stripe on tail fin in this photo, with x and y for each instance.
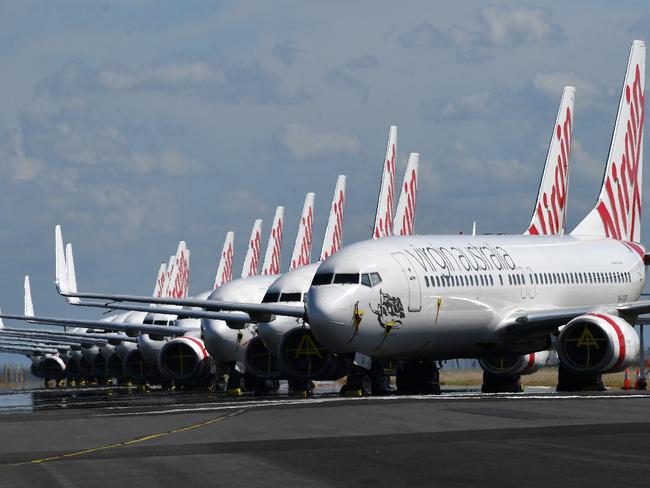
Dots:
(404, 224)
(29, 304)
(179, 280)
(271, 264)
(549, 214)
(224, 270)
(384, 215)
(252, 259)
(302, 249)
(160, 281)
(617, 213)
(334, 232)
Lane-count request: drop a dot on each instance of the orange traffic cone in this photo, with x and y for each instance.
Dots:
(626, 380)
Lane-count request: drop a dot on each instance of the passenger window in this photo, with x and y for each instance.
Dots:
(501, 280)
(437, 282)
(426, 280)
(365, 280)
(322, 279)
(491, 281)
(346, 278)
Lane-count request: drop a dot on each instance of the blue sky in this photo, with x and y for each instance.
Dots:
(136, 124)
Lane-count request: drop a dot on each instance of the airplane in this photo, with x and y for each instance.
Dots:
(302, 356)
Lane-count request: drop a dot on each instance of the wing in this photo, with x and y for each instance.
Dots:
(164, 330)
(531, 322)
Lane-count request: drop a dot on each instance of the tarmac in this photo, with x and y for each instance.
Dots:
(105, 436)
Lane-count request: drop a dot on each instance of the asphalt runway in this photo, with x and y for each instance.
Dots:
(102, 437)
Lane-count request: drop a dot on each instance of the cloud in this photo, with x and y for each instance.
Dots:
(287, 52)
(347, 74)
(551, 85)
(304, 142)
(168, 161)
(424, 35)
(472, 106)
(24, 168)
(503, 26)
(497, 26)
(211, 81)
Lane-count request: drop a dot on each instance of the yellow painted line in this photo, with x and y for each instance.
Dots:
(137, 440)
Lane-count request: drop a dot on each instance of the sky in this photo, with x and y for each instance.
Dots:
(135, 124)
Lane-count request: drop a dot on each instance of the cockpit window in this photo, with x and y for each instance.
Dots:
(322, 279)
(365, 279)
(291, 297)
(346, 278)
(271, 297)
(375, 279)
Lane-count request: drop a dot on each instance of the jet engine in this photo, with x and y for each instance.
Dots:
(136, 367)
(183, 358)
(52, 367)
(597, 343)
(514, 365)
(115, 366)
(260, 362)
(99, 366)
(302, 356)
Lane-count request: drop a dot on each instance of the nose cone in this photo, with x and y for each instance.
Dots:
(330, 310)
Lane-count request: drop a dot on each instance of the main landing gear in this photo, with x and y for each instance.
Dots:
(361, 381)
(501, 383)
(417, 377)
(568, 380)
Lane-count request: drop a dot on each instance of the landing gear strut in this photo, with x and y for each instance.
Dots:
(501, 383)
(418, 376)
(568, 380)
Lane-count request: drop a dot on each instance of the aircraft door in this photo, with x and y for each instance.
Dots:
(415, 292)
(524, 283)
(532, 291)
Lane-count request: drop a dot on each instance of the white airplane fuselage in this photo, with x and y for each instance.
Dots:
(445, 296)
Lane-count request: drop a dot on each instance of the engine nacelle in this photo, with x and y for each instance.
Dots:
(115, 366)
(302, 356)
(183, 358)
(137, 367)
(260, 362)
(597, 343)
(515, 365)
(99, 366)
(52, 367)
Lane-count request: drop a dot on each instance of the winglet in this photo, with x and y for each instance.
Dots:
(252, 259)
(29, 304)
(549, 214)
(302, 249)
(159, 287)
(404, 223)
(617, 213)
(60, 279)
(334, 232)
(271, 264)
(384, 214)
(224, 270)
